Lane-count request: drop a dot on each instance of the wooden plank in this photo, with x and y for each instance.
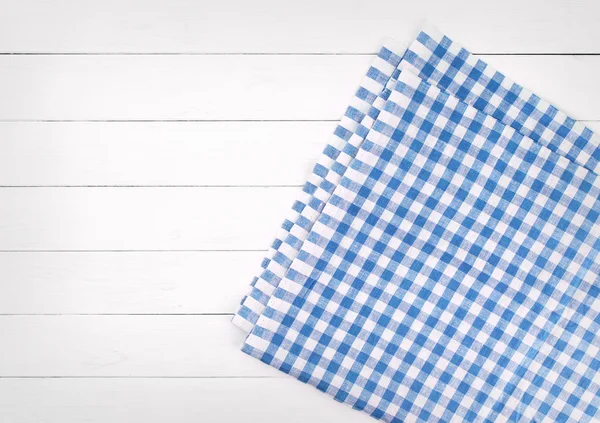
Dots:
(169, 400)
(160, 153)
(125, 283)
(178, 87)
(142, 218)
(135, 346)
(250, 87)
(235, 26)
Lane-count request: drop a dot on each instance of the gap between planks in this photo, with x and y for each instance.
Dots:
(266, 54)
(140, 377)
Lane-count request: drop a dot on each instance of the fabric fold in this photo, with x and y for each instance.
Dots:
(444, 63)
(452, 275)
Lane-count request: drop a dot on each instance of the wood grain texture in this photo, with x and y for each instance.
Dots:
(142, 218)
(125, 283)
(169, 400)
(133, 346)
(296, 87)
(334, 26)
(160, 153)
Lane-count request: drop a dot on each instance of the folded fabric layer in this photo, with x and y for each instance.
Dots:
(348, 136)
(453, 275)
(446, 64)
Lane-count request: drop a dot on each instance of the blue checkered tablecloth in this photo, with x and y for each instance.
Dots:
(440, 61)
(451, 271)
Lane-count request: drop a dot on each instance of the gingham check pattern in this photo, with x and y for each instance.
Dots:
(452, 276)
(348, 136)
(440, 61)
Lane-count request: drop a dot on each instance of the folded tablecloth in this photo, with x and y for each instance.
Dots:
(440, 61)
(452, 276)
(452, 272)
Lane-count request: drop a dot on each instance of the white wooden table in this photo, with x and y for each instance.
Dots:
(149, 150)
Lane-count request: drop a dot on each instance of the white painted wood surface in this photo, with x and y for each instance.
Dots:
(134, 282)
(142, 218)
(135, 346)
(149, 151)
(234, 87)
(159, 153)
(179, 87)
(160, 400)
(273, 26)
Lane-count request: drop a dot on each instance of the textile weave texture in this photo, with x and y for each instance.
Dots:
(453, 273)
(442, 62)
